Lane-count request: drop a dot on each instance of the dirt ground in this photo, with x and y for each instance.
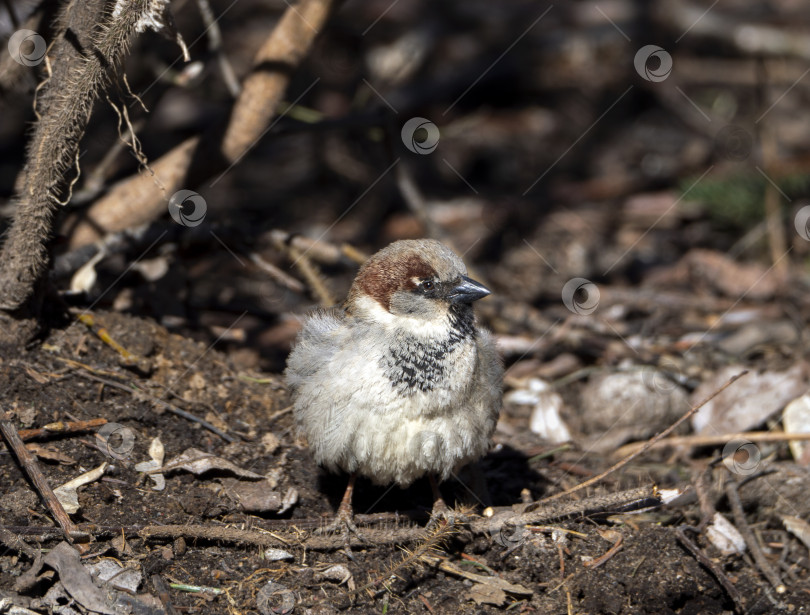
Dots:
(549, 569)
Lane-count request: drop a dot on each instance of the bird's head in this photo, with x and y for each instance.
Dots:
(421, 280)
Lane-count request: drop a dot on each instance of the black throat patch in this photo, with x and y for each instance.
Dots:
(418, 364)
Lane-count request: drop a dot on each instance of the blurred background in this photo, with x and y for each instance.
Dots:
(657, 150)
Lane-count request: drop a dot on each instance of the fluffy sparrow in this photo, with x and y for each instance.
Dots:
(400, 381)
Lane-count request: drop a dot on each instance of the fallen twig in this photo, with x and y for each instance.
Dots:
(701, 440)
(680, 533)
(595, 563)
(312, 275)
(60, 427)
(276, 274)
(319, 250)
(12, 541)
(91, 322)
(389, 530)
(750, 540)
(31, 468)
(545, 511)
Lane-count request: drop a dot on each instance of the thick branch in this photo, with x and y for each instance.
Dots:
(280, 54)
(90, 44)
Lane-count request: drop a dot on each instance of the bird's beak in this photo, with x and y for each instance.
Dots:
(467, 291)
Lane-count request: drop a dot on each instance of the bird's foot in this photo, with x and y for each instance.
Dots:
(344, 523)
(442, 514)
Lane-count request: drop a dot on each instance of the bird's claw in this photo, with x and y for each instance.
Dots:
(344, 523)
(442, 513)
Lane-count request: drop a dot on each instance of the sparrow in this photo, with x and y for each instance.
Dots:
(399, 381)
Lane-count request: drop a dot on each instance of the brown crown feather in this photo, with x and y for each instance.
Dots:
(379, 278)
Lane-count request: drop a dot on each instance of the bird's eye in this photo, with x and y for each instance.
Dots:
(427, 285)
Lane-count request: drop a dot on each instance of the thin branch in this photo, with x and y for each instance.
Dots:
(31, 468)
(703, 440)
(751, 540)
(732, 591)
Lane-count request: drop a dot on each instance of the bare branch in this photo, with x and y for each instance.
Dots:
(90, 43)
(283, 50)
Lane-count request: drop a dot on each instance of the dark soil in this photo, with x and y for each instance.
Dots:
(651, 573)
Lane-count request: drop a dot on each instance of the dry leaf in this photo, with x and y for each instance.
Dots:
(157, 453)
(85, 277)
(799, 528)
(749, 401)
(108, 569)
(796, 419)
(275, 555)
(725, 536)
(49, 453)
(67, 494)
(546, 420)
(732, 279)
(257, 497)
(487, 594)
(491, 587)
(339, 573)
(632, 405)
(77, 581)
(199, 462)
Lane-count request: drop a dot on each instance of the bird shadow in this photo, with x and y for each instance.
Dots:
(495, 480)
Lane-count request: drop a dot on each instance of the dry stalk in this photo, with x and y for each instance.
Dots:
(184, 165)
(91, 41)
(31, 468)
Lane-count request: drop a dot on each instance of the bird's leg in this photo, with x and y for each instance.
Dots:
(345, 511)
(440, 509)
(344, 520)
